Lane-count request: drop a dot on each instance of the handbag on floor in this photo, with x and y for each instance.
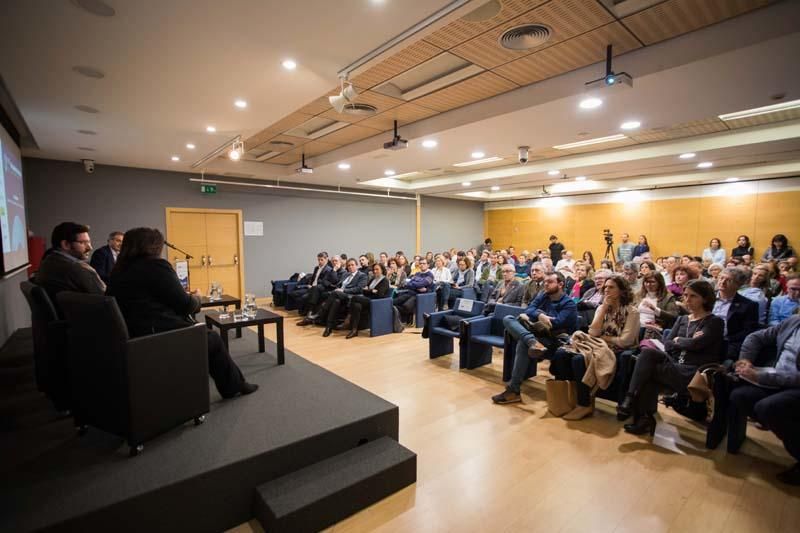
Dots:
(562, 396)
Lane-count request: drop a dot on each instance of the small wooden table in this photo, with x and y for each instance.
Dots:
(262, 317)
(223, 301)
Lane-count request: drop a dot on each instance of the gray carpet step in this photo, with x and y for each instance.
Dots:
(324, 493)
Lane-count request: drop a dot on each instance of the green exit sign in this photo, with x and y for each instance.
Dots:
(208, 188)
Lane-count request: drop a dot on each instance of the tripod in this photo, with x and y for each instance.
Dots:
(610, 251)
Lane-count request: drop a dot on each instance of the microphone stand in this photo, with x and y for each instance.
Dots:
(186, 256)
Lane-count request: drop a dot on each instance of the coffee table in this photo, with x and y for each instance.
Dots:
(262, 317)
(223, 301)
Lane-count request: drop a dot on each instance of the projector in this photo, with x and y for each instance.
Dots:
(610, 80)
(305, 170)
(396, 144)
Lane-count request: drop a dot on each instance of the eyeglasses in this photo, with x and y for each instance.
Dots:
(84, 242)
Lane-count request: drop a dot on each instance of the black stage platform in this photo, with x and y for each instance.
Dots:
(193, 478)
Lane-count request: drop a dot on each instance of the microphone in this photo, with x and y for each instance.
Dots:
(170, 245)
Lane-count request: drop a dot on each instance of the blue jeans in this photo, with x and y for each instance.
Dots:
(442, 295)
(522, 361)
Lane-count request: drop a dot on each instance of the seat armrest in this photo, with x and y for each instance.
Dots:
(436, 319)
(478, 326)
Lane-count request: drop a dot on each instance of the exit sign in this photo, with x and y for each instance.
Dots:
(208, 188)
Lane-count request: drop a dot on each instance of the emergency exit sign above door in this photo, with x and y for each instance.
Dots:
(208, 188)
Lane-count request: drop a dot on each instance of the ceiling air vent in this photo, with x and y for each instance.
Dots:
(281, 144)
(525, 37)
(361, 110)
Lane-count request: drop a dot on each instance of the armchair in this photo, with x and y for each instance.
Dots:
(482, 334)
(440, 338)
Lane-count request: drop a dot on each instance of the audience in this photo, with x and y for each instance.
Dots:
(508, 291)
(739, 314)
(681, 276)
(593, 297)
(583, 281)
(782, 307)
(396, 275)
(441, 279)
(743, 247)
(535, 285)
(377, 287)
(555, 248)
(757, 291)
(625, 249)
(715, 253)
(339, 299)
(405, 300)
(105, 257)
(589, 259)
(780, 249)
(657, 307)
(641, 248)
(464, 279)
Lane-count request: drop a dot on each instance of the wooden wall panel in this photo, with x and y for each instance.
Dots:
(776, 213)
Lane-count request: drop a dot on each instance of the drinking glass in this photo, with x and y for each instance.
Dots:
(238, 315)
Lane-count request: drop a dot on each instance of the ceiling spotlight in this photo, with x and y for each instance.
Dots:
(289, 64)
(176, 158)
(429, 143)
(495, 187)
(630, 125)
(731, 180)
(344, 166)
(389, 172)
(345, 96)
(553, 172)
(190, 146)
(705, 164)
(467, 183)
(590, 103)
(477, 155)
(237, 150)
(211, 129)
(241, 104)
(687, 155)
(580, 178)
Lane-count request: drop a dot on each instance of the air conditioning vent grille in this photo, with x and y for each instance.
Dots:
(360, 109)
(525, 37)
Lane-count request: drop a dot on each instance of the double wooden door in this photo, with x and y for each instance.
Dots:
(213, 237)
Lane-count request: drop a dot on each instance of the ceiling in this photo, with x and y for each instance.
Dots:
(691, 61)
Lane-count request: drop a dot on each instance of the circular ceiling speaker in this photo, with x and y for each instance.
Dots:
(89, 72)
(87, 109)
(359, 109)
(95, 7)
(485, 12)
(525, 37)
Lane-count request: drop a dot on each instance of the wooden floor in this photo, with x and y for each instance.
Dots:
(483, 467)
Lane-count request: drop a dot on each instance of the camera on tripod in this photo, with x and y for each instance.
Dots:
(609, 237)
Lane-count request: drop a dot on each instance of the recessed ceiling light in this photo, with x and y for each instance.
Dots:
(731, 180)
(495, 187)
(241, 104)
(289, 64)
(590, 103)
(553, 172)
(389, 172)
(211, 129)
(783, 106)
(589, 142)
(477, 162)
(630, 125)
(580, 178)
(429, 143)
(190, 146)
(344, 166)
(705, 164)
(687, 155)
(477, 155)
(176, 158)
(467, 183)
(622, 189)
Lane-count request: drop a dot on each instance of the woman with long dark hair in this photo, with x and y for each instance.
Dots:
(743, 247)
(642, 247)
(152, 300)
(779, 249)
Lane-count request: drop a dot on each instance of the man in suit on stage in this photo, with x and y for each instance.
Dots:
(105, 257)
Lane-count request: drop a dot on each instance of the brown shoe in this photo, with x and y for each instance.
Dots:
(537, 350)
(507, 396)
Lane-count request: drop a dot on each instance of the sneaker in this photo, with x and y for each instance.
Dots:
(791, 476)
(507, 396)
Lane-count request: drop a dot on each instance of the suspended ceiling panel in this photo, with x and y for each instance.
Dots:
(676, 17)
(598, 147)
(403, 114)
(688, 129)
(767, 118)
(286, 123)
(379, 101)
(412, 56)
(276, 144)
(472, 90)
(349, 135)
(309, 149)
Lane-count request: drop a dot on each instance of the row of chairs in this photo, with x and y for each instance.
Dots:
(136, 388)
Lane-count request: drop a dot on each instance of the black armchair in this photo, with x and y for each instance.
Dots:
(50, 353)
(135, 388)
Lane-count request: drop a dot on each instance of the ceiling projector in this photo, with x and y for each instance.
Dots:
(303, 168)
(611, 78)
(397, 142)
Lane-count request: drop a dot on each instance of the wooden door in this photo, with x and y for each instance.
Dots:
(187, 231)
(224, 255)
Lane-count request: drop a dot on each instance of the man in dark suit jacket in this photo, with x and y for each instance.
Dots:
(300, 293)
(739, 313)
(105, 257)
(352, 284)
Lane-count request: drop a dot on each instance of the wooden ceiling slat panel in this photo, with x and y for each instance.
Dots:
(268, 147)
(676, 17)
(566, 18)
(461, 30)
(407, 58)
(679, 131)
(474, 89)
(599, 147)
(348, 135)
(769, 118)
(286, 123)
(569, 55)
(404, 114)
(380, 101)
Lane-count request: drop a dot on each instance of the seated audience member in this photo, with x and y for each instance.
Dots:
(363, 264)
(607, 264)
(152, 300)
(630, 271)
(583, 281)
(757, 291)
(681, 276)
(773, 285)
(555, 248)
(535, 285)
(482, 263)
(566, 266)
(686, 259)
(307, 291)
(550, 314)
(769, 390)
(104, 258)
(782, 307)
(513, 255)
(743, 247)
(402, 264)
(491, 274)
(486, 246)
(617, 323)
(657, 307)
(464, 279)
(505, 258)
(647, 267)
(739, 314)
(593, 297)
(64, 267)
(715, 253)
(642, 247)
(396, 275)
(694, 340)
(522, 267)
(508, 291)
(429, 257)
(377, 287)
(625, 248)
(670, 263)
(384, 259)
(589, 258)
(547, 264)
(339, 299)
(441, 279)
(784, 270)
(779, 249)
(713, 272)
(406, 299)
(415, 264)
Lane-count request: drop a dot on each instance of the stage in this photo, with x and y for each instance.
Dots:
(200, 478)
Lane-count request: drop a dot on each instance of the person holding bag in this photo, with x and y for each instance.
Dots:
(591, 360)
(695, 340)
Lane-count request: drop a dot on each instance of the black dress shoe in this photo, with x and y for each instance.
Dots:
(625, 409)
(353, 333)
(248, 388)
(643, 425)
(327, 332)
(305, 322)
